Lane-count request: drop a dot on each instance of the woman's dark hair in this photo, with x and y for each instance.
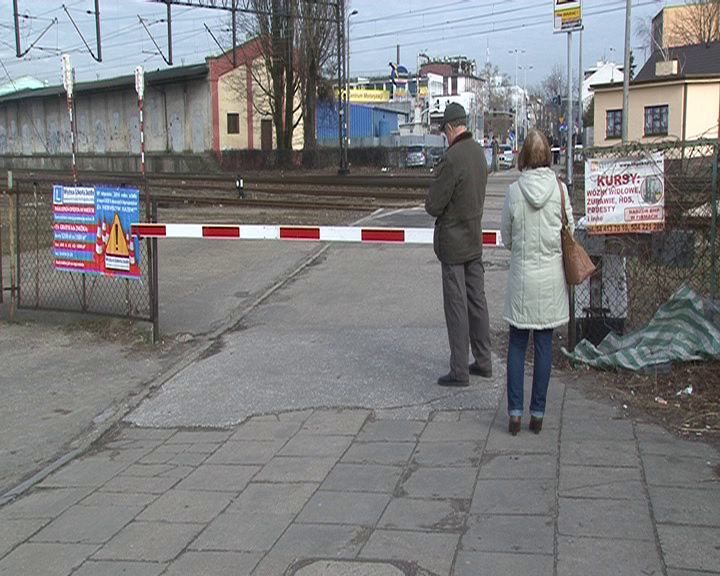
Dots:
(535, 152)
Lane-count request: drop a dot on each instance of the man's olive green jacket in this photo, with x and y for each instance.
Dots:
(456, 198)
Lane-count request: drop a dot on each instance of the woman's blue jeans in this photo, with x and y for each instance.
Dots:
(542, 340)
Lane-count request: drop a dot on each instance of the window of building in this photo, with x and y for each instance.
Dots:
(656, 120)
(233, 123)
(614, 124)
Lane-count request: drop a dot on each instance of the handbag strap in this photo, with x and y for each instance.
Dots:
(563, 215)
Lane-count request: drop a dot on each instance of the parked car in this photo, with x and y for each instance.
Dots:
(416, 157)
(506, 158)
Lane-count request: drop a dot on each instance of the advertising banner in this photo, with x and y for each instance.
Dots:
(91, 230)
(567, 15)
(625, 195)
(361, 95)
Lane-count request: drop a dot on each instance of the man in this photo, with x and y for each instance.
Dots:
(495, 154)
(456, 199)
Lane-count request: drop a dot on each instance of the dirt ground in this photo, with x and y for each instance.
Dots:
(685, 399)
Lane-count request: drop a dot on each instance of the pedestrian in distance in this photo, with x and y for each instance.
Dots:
(495, 154)
(456, 199)
(537, 297)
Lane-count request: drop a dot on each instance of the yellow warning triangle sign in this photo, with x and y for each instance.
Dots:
(117, 244)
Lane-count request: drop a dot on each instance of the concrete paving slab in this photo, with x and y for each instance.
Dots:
(615, 453)
(219, 477)
(597, 428)
(43, 503)
(14, 532)
(683, 572)
(425, 515)
(199, 437)
(600, 557)
(91, 472)
(265, 430)
(465, 430)
(43, 559)
(135, 484)
(388, 453)
(149, 541)
(246, 533)
(361, 508)
(121, 499)
(434, 551)
(600, 518)
(492, 564)
(335, 422)
(303, 444)
(686, 506)
(214, 564)
(87, 524)
(391, 430)
(518, 466)
(655, 440)
(296, 469)
(682, 472)
(321, 541)
(690, 547)
(185, 506)
(510, 534)
(439, 483)
(272, 499)
(457, 454)
(601, 482)
(323, 567)
(363, 478)
(523, 497)
(111, 568)
(246, 452)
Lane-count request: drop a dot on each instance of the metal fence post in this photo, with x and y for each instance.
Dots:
(13, 212)
(153, 269)
(572, 326)
(37, 246)
(714, 225)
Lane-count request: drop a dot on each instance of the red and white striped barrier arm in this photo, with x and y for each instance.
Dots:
(316, 233)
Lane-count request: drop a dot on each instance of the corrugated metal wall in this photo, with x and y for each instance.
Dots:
(365, 122)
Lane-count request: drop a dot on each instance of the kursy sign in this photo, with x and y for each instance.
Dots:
(625, 195)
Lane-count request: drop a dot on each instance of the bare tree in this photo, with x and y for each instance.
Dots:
(496, 101)
(699, 23)
(552, 89)
(273, 24)
(297, 41)
(317, 38)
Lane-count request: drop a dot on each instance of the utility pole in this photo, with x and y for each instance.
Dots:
(581, 78)
(626, 72)
(569, 120)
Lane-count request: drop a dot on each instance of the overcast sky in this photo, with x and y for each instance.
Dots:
(474, 28)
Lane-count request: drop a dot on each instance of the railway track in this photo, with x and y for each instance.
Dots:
(283, 192)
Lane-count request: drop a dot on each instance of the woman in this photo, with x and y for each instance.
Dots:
(537, 296)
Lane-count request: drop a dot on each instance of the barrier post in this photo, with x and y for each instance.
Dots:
(154, 288)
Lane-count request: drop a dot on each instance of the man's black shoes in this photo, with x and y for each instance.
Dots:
(448, 380)
(475, 370)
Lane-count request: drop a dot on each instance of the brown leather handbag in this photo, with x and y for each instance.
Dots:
(577, 263)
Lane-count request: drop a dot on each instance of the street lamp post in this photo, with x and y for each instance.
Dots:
(348, 114)
(517, 52)
(525, 68)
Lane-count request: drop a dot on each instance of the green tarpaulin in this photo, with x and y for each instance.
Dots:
(685, 328)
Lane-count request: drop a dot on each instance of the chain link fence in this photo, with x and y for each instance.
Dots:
(41, 286)
(638, 272)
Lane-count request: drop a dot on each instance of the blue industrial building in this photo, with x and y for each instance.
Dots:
(368, 124)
